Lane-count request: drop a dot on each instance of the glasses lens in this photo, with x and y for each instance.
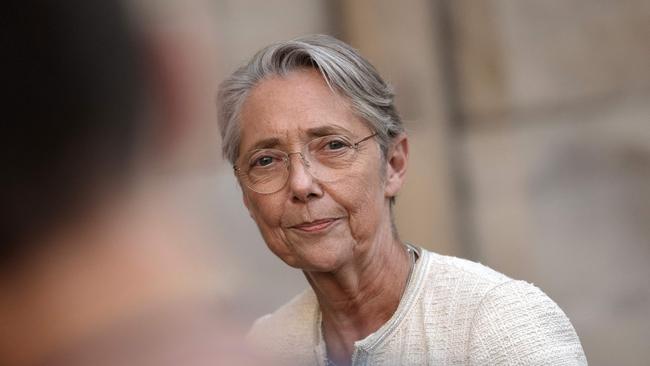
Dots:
(325, 158)
(330, 156)
(266, 170)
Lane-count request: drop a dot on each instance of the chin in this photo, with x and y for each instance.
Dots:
(319, 262)
(317, 254)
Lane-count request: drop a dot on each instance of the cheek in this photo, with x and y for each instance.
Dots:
(363, 200)
(267, 215)
(265, 211)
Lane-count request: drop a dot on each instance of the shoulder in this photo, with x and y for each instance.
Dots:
(290, 328)
(459, 268)
(458, 280)
(495, 319)
(516, 323)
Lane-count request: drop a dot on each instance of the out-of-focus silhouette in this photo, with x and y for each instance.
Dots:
(102, 262)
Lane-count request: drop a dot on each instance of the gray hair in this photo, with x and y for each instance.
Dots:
(342, 67)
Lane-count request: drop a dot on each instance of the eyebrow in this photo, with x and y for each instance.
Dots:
(328, 130)
(274, 142)
(267, 143)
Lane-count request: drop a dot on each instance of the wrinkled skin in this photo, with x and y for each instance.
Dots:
(290, 108)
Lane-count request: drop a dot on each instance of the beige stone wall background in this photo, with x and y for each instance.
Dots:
(530, 133)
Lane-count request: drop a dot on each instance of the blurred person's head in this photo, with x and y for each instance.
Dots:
(73, 86)
(92, 95)
(102, 104)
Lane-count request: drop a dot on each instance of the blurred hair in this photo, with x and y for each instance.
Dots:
(342, 67)
(72, 101)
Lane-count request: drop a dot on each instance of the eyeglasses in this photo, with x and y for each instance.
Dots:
(326, 158)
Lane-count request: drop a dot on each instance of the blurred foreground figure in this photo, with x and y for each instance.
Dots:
(99, 262)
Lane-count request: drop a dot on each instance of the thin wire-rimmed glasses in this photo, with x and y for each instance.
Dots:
(325, 158)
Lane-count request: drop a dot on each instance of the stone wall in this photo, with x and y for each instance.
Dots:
(557, 152)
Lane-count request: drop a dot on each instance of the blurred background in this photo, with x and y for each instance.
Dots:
(529, 124)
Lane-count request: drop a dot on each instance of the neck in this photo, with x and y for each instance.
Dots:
(361, 296)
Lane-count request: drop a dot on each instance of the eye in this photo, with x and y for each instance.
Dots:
(336, 145)
(333, 144)
(264, 161)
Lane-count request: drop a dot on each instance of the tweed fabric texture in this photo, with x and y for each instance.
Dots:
(454, 312)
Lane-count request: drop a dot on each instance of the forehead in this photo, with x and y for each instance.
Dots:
(287, 107)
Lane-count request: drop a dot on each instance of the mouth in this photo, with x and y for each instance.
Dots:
(315, 226)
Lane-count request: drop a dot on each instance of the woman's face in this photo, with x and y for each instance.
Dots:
(311, 224)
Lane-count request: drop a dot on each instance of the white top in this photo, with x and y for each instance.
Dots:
(453, 312)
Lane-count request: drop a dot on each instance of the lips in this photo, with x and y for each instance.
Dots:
(315, 226)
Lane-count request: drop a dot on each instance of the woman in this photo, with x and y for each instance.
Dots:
(320, 153)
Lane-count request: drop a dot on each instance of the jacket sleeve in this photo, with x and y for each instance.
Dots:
(517, 324)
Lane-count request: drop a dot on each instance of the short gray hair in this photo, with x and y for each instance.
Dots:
(342, 67)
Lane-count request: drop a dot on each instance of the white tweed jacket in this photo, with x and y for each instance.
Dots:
(453, 312)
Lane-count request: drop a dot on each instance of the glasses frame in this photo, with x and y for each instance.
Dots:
(287, 162)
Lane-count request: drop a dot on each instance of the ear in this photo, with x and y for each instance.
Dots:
(396, 165)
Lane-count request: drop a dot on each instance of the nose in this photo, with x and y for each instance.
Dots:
(302, 184)
(304, 160)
